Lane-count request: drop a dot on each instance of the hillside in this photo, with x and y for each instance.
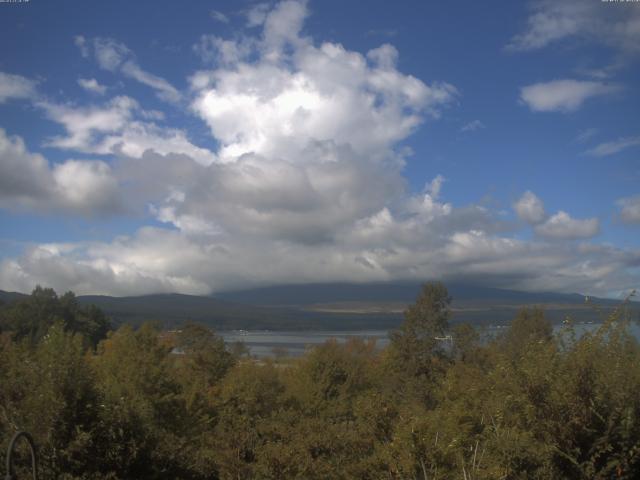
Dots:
(175, 309)
(8, 297)
(334, 306)
(404, 292)
(471, 303)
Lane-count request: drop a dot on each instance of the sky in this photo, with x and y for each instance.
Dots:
(204, 146)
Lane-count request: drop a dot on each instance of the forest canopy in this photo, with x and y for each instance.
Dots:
(139, 403)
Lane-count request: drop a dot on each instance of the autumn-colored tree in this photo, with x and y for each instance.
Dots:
(249, 395)
(144, 422)
(529, 404)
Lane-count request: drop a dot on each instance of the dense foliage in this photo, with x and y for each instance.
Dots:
(143, 404)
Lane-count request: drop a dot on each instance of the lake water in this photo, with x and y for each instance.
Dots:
(263, 344)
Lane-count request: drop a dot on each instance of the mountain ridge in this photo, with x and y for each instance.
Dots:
(328, 306)
(312, 293)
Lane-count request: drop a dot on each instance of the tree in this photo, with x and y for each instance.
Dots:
(49, 391)
(465, 342)
(144, 422)
(248, 396)
(32, 317)
(205, 355)
(414, 350)
(529, 327)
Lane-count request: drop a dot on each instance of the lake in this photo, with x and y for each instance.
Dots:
(262, 344)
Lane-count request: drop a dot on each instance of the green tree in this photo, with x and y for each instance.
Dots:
(249, 395)
(528, 327)
(32, 317)
(49, 391)
(466, 341)
(414, 352)
(144, 421)
(205, 358)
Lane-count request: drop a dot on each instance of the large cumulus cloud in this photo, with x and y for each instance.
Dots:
(305, 182)
(29, 182)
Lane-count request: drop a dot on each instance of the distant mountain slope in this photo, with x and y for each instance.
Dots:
(406, 292)
(172, 310)
(175, 309)
(334, 306)
(8, 297)
(471, 303)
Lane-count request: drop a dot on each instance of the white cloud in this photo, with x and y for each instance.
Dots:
(213, 49)
(552, 21)
(15, 86)
(27, 182)
(307, 199)
(306, 183)
(472, 126)
(586, 134)
(24, 176)
(219, 16)
(81, 43)
(282, 26)
(114, 129)
(139, 137)
(86, 186)
(83, 124)
(331, 94)
(613, 147)
(563, 95)
(562, 226)
(434, 187)
(257, 14)
(84, 271)
(92, 85)
(188, 224)
(164, 90)
(116, 57)
(160, 260)
(530, 208)
(630, 209)
(385, 56)
(109, 53)
(307, 132)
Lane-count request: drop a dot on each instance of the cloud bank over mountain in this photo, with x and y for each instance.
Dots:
(303, 179)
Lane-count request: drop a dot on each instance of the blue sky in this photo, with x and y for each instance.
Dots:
(204, 146)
